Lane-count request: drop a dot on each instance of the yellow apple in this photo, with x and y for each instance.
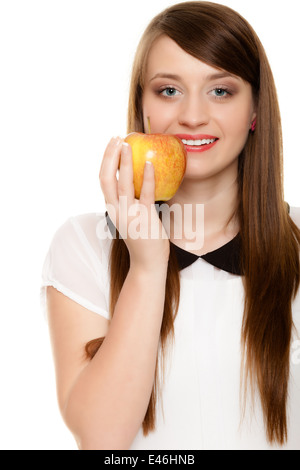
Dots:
(168, 155)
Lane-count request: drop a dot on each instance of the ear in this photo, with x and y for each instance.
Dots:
(253, 117)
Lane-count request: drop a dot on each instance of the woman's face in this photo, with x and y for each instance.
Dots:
(210, 109)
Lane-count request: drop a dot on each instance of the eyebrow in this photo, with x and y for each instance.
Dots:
(207, 78)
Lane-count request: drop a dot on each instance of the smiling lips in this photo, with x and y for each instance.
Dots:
(198, 143)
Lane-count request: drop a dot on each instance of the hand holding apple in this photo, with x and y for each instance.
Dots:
(168, 156)
(136, 221)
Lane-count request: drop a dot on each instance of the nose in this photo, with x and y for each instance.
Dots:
(193, 112)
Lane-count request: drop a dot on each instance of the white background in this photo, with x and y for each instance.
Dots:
(65, 68)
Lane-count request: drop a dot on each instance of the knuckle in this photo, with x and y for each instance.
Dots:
(104, 182)
(122, 188)
(147, 194)
(148, 189)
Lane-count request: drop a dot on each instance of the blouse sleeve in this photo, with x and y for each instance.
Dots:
(295, 215)
(76, 265)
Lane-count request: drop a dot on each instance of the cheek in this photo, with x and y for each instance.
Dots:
(235, 128)
(235, 123)
(160, 115)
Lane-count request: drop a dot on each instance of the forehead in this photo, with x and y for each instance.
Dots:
(165, 56)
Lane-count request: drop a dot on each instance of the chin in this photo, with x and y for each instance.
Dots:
(204, 168)
(196, 170)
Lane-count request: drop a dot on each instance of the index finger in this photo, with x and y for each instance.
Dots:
(108, 171)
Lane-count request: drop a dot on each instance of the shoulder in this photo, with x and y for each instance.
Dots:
(295, 215)
(77, 260)
(88, 231)
(87, 223)
(83, 239)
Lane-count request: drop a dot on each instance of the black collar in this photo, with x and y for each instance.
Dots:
(227, 257)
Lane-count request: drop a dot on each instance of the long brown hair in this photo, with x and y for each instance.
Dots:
(220, 37)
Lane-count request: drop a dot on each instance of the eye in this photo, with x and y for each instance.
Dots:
(221, 92)
(169, 92)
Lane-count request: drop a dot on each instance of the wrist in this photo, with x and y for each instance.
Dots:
(155, 269)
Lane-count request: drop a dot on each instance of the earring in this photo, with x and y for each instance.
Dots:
(253, 125)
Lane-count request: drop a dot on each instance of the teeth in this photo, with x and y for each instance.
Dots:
(198, 142)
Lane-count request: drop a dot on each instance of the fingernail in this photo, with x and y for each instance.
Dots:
(117, 140)
(125, 147)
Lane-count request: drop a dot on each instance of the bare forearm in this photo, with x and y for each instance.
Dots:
(109, 400)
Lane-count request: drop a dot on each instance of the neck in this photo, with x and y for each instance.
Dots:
(218, 199)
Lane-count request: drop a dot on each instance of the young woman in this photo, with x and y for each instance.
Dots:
(157, 346)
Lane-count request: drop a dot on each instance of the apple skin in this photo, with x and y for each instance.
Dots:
(168, 155)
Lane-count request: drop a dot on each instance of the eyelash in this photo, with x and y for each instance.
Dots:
(161, 91)
(219, 88)
(222, 88)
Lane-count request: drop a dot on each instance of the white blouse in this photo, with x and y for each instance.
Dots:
(200, 406)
